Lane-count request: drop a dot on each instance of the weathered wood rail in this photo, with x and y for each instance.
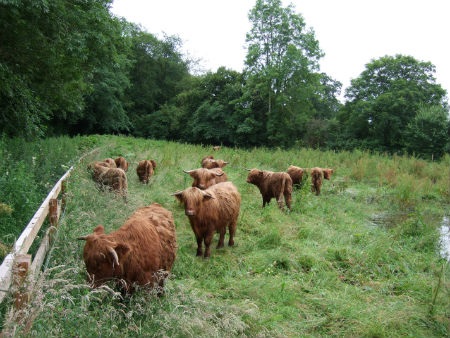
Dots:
(18, 264)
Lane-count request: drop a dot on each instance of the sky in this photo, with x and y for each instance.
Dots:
(351, 33)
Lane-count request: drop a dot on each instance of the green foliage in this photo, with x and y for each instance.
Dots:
(324, 269)
(386, 97)
(28, 171)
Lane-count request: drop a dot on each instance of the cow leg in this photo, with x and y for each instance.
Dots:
(208, 240)
(199, 245)
(232, 230)
(288, 199)
(221, 238)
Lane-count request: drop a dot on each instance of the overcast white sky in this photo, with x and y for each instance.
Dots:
(350, 32)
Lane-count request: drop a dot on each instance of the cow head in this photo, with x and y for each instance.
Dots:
(192, 198)
(204, 178)
(255, 176)
(102, 256)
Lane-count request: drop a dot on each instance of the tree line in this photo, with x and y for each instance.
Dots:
(73, 68)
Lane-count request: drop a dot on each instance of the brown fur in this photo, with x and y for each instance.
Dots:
(121, 163)
(145, 170)
(204, 178)
(327, 172)
(113, 178)
(296, 174)
(110, 162)
(316, 180)
(272, 184)
(211, 210)
(209, 162)
(145, 245)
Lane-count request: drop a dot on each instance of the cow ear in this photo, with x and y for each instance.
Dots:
(99, 230)
(153, 164)
(206, 195)
(122, 249)
(178, 195)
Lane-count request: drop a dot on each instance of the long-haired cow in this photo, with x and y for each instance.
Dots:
(209, 162)
(113, 178)
(272, 184)
(210, 211)
(145, 170)
(121, 163)
(141, 252)
(296, 174)
(316, 180)
(204, 178)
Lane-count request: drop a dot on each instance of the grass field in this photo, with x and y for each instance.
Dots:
(360, 260)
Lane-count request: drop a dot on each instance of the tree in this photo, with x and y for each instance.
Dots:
(283, 85)
(386, 97)
(427, 133)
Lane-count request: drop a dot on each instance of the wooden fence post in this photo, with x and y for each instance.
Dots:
(63, 194)
(53, 212)
(20, 272)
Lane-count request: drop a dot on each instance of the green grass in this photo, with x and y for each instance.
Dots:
(323, 269)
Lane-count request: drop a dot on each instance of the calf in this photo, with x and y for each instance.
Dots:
(141, 252)
(272, 184)
(145, 170)
(316, 180)
(210, 211)
(204, 178)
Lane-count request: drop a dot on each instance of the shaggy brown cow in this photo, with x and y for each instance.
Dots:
(316, 180)
(145, 170)
(141, 252)
(113, 178)
(121, 163)
(204, 178)
(272, 184)
(209, 162)
(296, 174)
(211, 210)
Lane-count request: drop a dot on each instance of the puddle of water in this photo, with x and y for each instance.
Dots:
(388, 220)
(445, 238)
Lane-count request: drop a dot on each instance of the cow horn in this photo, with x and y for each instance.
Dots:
(188, 171)
(176, 193)
(248, 169)
(114, 254)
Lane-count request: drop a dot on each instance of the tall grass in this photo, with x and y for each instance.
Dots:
(323, 269)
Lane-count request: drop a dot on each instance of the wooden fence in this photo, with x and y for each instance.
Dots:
(18, 265)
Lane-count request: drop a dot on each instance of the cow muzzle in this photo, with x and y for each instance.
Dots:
(189, 212)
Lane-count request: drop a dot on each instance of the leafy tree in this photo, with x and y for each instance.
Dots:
(427, 133)
(386, 97)
(283, 87)
(158, 74)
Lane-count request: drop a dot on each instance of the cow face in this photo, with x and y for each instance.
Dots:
(255, 176)
(192, 198)
(102, 256)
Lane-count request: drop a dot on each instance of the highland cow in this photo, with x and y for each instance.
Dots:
(141, 252)
(272, 184)
(210, 211)
(204, 178)
(145, 170)
(316, 180)
(113, 178)
(209, 162)
(121, 163)
(296, 174)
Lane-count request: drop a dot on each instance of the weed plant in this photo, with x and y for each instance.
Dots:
(324, 269)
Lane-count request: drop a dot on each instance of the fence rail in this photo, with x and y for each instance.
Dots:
(18, 264)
